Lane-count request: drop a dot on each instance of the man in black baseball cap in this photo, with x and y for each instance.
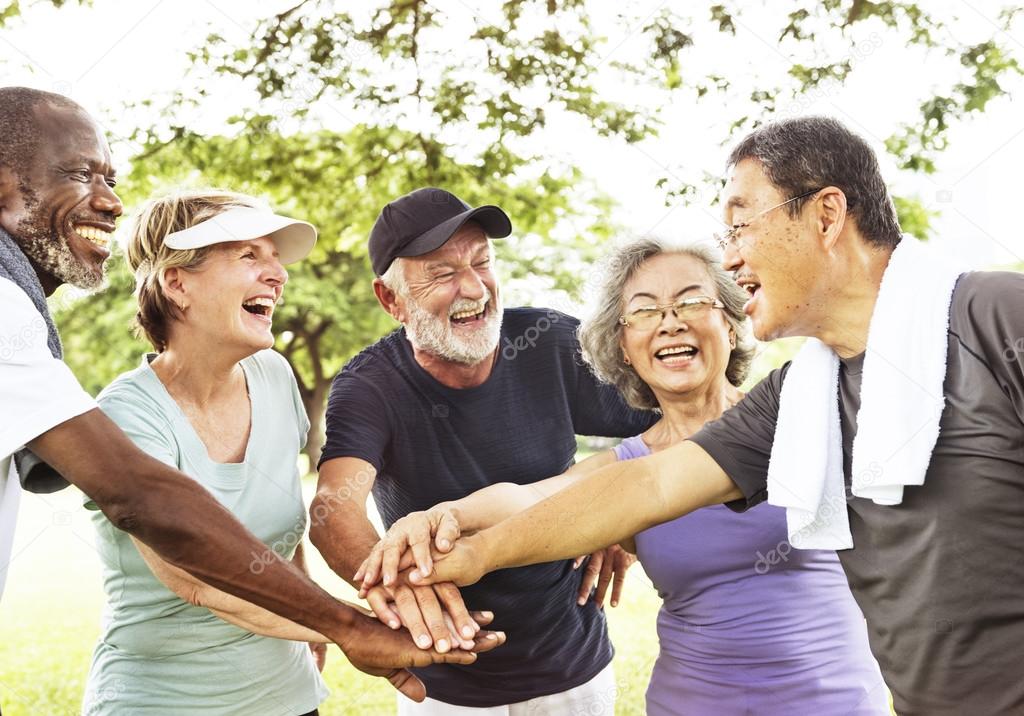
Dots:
(466, 394)
(423, 220)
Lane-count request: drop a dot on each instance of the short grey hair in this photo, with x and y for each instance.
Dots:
(805, 154)
(394, 277)
(601, 334)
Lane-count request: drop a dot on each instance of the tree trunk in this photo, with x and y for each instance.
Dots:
(316, 404)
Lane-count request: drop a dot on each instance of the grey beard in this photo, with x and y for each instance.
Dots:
(435, 336)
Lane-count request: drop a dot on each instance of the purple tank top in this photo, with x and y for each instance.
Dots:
(749, 625)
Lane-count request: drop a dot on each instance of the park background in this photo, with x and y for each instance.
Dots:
(588, 121)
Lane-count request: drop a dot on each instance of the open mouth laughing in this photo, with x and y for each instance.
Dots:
(469, 315)
(681, 354)
(260, 307)
(752, 286)
(95, 235)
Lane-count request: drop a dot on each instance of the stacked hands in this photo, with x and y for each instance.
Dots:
(411, 577)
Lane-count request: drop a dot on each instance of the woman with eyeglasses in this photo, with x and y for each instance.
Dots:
(748, 624)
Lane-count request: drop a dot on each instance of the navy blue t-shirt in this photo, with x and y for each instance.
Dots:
(431, 443)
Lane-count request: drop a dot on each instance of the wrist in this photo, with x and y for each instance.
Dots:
(343, 618)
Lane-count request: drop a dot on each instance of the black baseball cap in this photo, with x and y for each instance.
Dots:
(423, 220)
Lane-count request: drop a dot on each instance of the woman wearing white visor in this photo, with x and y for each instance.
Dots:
(216, 402)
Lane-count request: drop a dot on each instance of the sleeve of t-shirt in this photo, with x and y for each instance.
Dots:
(357, 422)
(39, 391)
(987, 317)
(282, 370)
(741, 440)
(597, 408)
(131, 411)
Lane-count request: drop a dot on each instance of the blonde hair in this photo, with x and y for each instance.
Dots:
(149, 259)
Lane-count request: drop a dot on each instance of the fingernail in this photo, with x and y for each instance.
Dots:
(467, 631)
(445, 544)
(581, 601)
(393, 624)
(615, 602)
(442, 645)
(423, 641)
(488, 615)
(414, 576)
(387, 579)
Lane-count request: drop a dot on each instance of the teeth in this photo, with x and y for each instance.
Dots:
(676, 350)
(467, 314)
(97, 236)
(259, 301)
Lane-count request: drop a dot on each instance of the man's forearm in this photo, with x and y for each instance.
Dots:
(183, 523)
(607, 506)
(343, 534)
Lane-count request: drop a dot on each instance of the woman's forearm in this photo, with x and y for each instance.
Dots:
(231, 609)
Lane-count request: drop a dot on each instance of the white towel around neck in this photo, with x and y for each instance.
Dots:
(901, 405)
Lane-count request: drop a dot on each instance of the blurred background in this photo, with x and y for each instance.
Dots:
(588, 122)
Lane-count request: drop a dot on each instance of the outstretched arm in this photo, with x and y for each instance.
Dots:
(600, 509)
(231, 609)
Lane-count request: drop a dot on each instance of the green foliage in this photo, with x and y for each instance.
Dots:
(915, 218)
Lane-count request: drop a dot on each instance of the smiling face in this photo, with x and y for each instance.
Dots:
(229, 299)
(676, 356)
(776, 258)
(63, 211)
(452, 307)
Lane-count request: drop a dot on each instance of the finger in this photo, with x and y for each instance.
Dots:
(457, 639)
(487, 640)
(421, 555)
(409, 610)
(607, 570)
(617, 584)
(392, 555)
(430, 608)
(590, 575)
(378, 600)
(482, 618)
(408, 684)
(448, 531)
(371, 566)
(451, 598)
(578, 561)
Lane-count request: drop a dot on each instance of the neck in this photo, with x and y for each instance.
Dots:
(850, 305)
(455, 375)
(48, 281)
(199, 374)
(683, 414)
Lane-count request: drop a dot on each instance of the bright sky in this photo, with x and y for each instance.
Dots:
(118, 50)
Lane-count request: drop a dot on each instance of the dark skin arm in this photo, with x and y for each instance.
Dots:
(188, 528)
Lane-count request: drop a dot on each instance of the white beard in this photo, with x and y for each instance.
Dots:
(437, 336)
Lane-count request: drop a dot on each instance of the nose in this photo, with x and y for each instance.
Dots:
(275, 273)
(105, 200)
(471, 286)
(731, 259)
(670, 324)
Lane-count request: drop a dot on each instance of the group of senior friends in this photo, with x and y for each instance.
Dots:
(463, 424)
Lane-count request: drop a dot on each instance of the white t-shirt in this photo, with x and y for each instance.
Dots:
(37, 392)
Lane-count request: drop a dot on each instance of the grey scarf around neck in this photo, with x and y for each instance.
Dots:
(35, 475)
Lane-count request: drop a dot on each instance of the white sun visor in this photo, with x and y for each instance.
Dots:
(294, 239)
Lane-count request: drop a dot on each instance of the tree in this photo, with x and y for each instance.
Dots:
(351, 108)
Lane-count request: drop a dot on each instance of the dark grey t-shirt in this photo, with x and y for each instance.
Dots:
(940, 577)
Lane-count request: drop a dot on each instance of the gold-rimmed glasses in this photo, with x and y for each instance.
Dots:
(729, 235)
(686, 309)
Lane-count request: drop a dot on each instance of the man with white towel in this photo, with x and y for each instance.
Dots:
(895, 436)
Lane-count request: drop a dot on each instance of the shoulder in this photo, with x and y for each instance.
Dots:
(132, 396)
(981, 294)
(382, 356)
(21, 324)
(271, 364)
(529, 327)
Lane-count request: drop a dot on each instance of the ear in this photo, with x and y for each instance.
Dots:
(173, 286)
(831, 216)
(388, 300)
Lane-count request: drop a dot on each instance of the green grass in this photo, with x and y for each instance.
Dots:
(50, 612)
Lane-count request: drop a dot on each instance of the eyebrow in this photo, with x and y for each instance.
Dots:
(736, 202)
(99, 167)
(642, 294)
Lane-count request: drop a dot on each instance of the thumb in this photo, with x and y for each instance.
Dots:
(407, 684)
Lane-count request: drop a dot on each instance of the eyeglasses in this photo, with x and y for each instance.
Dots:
(725, 239)
(687, 309)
